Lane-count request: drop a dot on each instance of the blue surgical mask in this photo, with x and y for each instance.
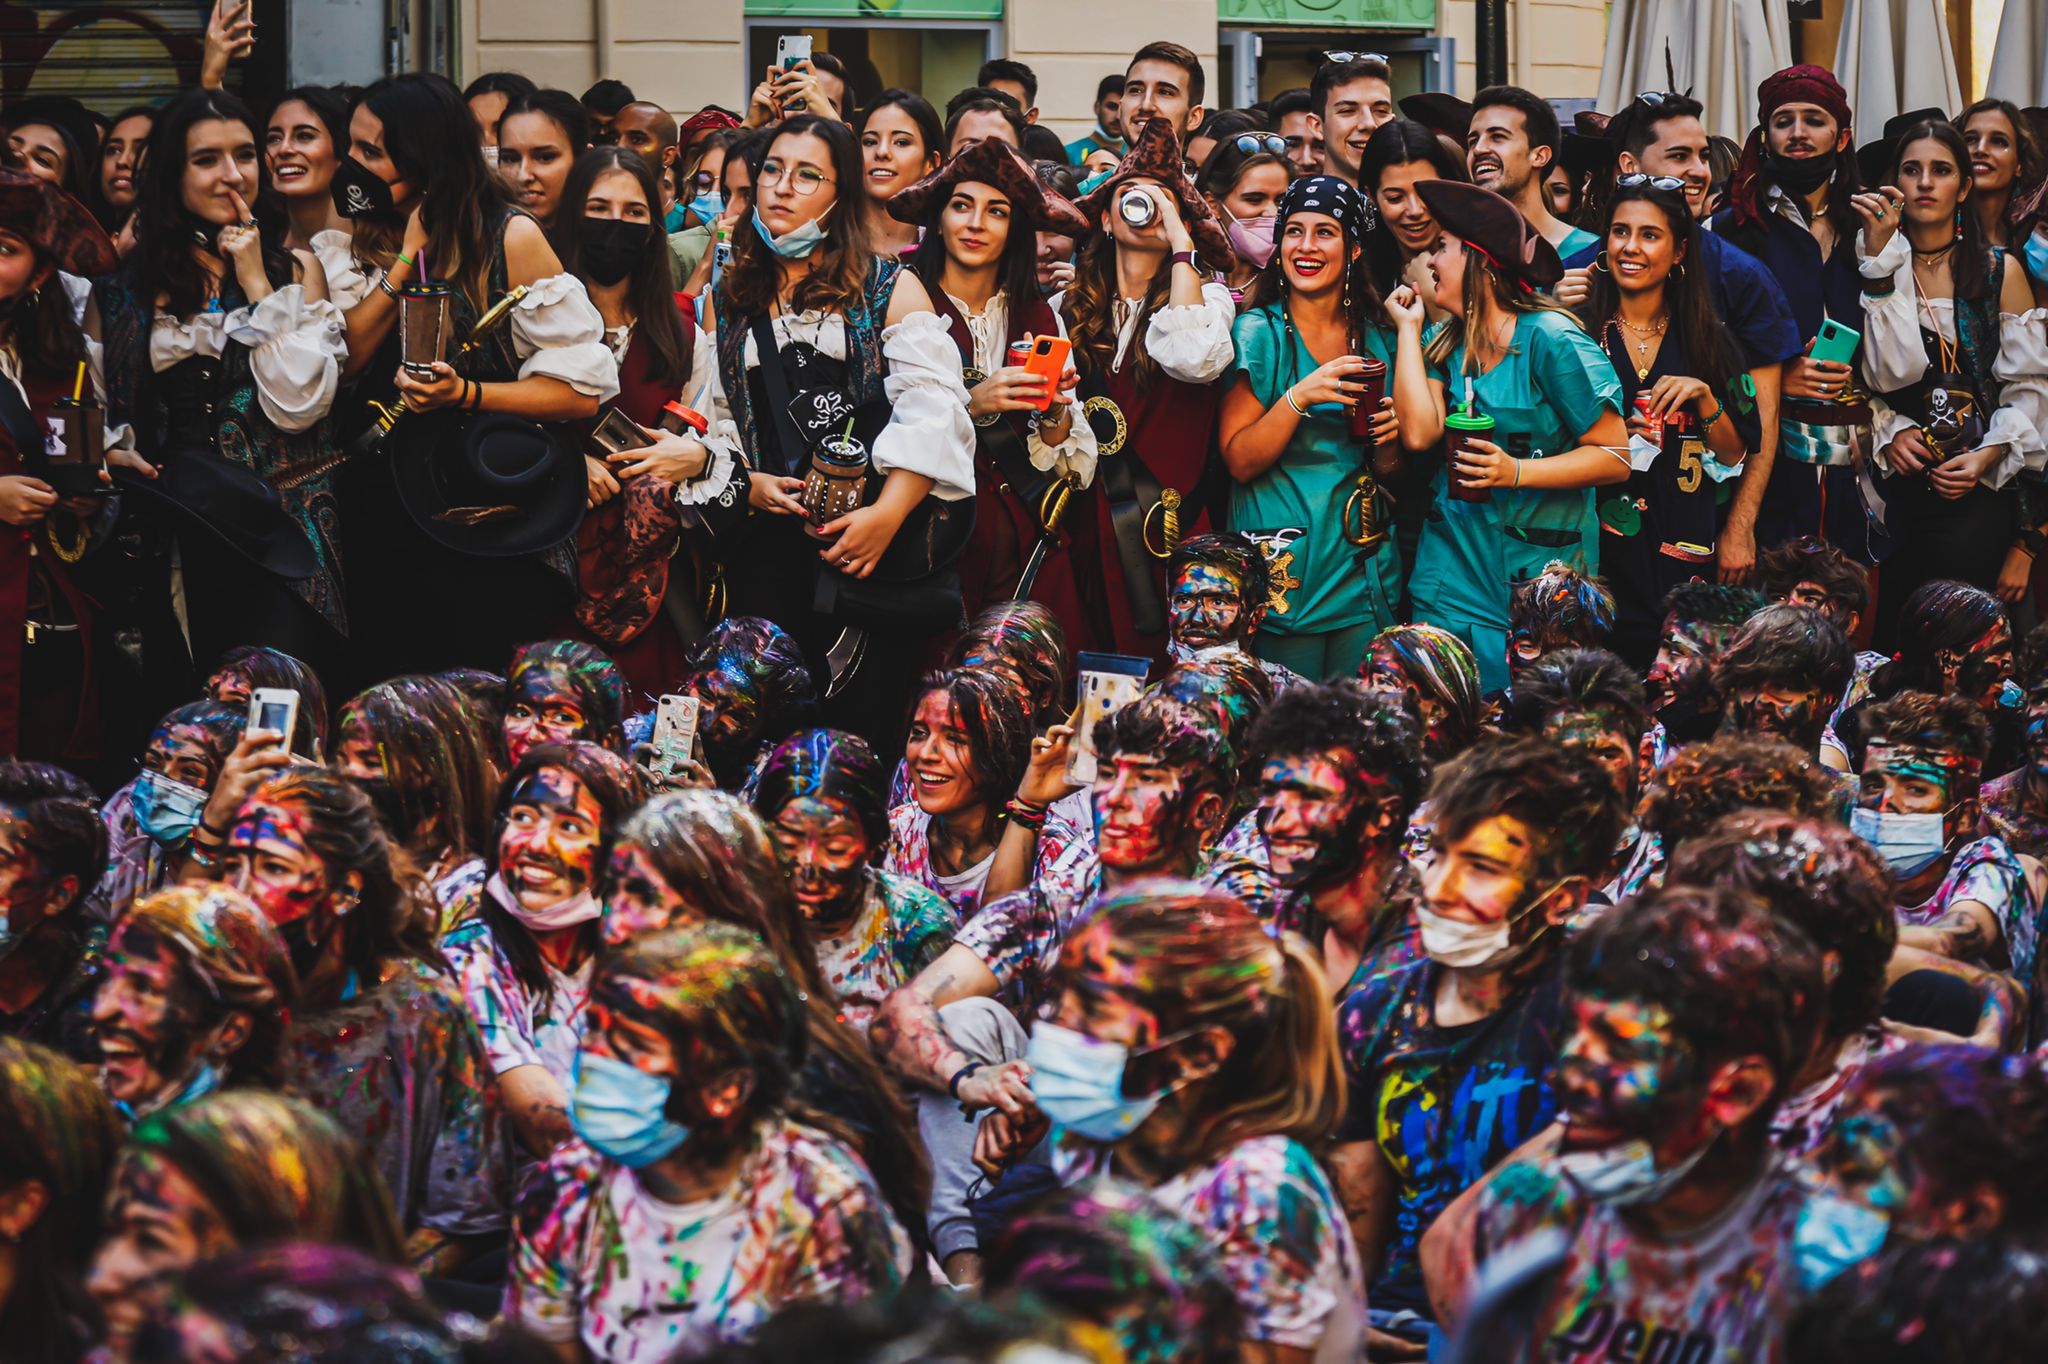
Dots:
(2011, 695)
(795, 244)
(617, 1110)
(1625, 1174)
(672, 221)
(1078, 1082)
(168, 811)
(1909, 844)
(1833, 1234)
(707, 206)
(2036, 254)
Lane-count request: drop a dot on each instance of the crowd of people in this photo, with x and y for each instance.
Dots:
(1323, 731)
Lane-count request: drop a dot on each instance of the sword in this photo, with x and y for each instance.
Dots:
(1051, 511)
(843, 659)
(1031, 566)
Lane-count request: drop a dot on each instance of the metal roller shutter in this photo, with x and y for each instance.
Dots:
(107, 56)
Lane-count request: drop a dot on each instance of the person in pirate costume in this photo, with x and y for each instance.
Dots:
(223, 352)
(48, 662)
(1303, 476)
(1956, 356)
(840, 387)
(981, 212)
(1518, 358)
(1151, 330)
(460, 518)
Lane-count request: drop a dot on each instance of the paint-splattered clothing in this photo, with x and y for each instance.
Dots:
(910, 855)
(1267, 1209)
(136, 863)
(1987, 871)
(460, 892)
(2006, 815)
(1718, 1294)
(520, 1026)
(1803, 1119)
(1395, 939)
(401, 1067)
(901, 929)
(1076, 807)
(596, 1257)
(1444, 1104)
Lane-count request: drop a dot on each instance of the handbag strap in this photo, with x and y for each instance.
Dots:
(31, 438)
(769, 357)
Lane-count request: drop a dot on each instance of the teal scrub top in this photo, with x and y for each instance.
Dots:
(1576, 241)
(1295, 510)
(1547, 391)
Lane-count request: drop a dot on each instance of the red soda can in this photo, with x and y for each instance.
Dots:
(1656, 432)
(1020, 351)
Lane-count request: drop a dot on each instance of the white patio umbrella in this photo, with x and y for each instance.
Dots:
(2019, 61)
(1894, 55)
(1719, 49)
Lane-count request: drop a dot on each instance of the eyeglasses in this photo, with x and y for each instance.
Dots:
(703, 182)
(1671, 184)
(1248, 143)
(1654, 98)
(805, 180)
(1344, 58)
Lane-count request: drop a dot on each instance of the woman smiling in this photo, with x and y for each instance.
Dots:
(901, 141)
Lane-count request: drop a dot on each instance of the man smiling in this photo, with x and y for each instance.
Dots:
(1350, 99)
(1218, 592)
(1509, 148)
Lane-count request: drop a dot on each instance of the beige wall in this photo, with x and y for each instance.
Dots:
(1554, 46)
(682, 53)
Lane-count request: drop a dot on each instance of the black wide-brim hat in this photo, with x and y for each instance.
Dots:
(1873, 159)
(493, 486)
(236, 505)
(1481, 218)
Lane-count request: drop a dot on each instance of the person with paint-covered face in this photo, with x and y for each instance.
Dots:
(1434, 675)
(524, 960)
(150, 820)
(1448, 1057)
(195, 999)
(1929, 1302)
(222, 1172)
(1192, 1053)
(1953, 640)
(1688, 1016)
(52, 849)
(58, 1138)
(1782, 675)
(1590, 701)
(1218, 592)
(381, 1039)
(1810, 572)
(1958, 895)
(698, 1198)
(753, 691)
(821, 795)
(1560, 608)
(559, 691)
(1704, 783)
(2016, 804)
(1699, 620)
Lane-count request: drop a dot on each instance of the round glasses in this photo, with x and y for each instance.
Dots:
(1250, 143)
(805, 180)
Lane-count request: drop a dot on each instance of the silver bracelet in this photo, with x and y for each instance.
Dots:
(1299, 410)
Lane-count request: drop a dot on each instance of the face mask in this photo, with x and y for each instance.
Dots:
(301, 946)
(613, 248)
(359, 194)
(708, 206)
(1625, 1175)
(1078, 1082)
(2036, 253)
(390, 812)
(1252, 238)
(2011, 696)
(168, 811)
(205, 1079)
(617, 1110)
(1455, 943)
(579, 908)
(795, 244)
(1802, 176)
(1834, 1234)
(1642, 452)
(1909, 844)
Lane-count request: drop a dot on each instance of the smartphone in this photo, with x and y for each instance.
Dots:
(1048, 359)
(1108, 683)
(790, 49)
(490, 156)
(675, 734)
(616, 433)
(1835, 342)
(274, 708)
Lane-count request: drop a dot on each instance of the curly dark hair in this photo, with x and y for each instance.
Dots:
(1735, 979)
(65, 835)
(1697, 602)
(1233, 553)
(1027, 638)
(1817, 875)
(1783, 646)
(1929, 1302)
(1563, 601)
(763, 658)
(1948, 724)
(1704, 781)
(1356, 730)
(1572, 681)
(1810, 559)
(1172, 731)
(1565, 799)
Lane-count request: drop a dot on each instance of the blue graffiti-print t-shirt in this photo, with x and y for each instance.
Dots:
(1444, 1104)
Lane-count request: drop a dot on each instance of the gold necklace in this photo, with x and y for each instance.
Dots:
(1643, 346)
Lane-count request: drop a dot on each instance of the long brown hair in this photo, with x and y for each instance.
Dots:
(652, 289)
(431, 137)
(1686, 299)
(839, 266)
(1970, 268)
(1091, 311)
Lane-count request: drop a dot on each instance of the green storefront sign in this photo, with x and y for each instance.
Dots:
(1328, 14)
(874, 9)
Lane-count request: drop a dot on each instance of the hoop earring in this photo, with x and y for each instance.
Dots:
(1600, 262)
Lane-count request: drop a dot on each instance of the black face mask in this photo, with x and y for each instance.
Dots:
(612, 248)
(361, 196)
(1802, 176)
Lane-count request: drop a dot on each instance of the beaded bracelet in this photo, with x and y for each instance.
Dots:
(1720, 411)
(1026, 815)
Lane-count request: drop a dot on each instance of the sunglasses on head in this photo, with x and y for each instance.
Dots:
(1343, 58)
(1249, 143)
(1669, 183)
(1654, 98)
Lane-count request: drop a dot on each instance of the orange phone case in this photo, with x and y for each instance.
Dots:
(1049, 358)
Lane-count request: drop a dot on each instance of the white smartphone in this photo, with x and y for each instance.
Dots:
(491, 156)
(790, 49)
(274, 708)
(1108, 683)
(675, 734)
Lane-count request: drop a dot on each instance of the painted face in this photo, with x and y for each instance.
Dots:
(545, 709)
(1383, 673)
(182, 753)
(2037, 730)
(1868, 1159)
(550, 846)
(272, 862)
(824, 851)
(1684, 660)
(1619, 1071)
(357, 757)
(1597, 735)
(1805, 593)
(1982, 667)
(1527, 647)
(639, 899)
(157, 1223)
(1208, 609)
(144, 1016)
(1795, 714)
(729, 714)
(1485, 877)
(24, 883)
(1141, 811)
(1907, 781)
(1315, 817)
(230, 686)
(942, 776)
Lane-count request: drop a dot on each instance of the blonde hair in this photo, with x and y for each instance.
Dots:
(1484, 282)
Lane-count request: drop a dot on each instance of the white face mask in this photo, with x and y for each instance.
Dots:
(1474, 947)
(579, 908)
(1625, 1174)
